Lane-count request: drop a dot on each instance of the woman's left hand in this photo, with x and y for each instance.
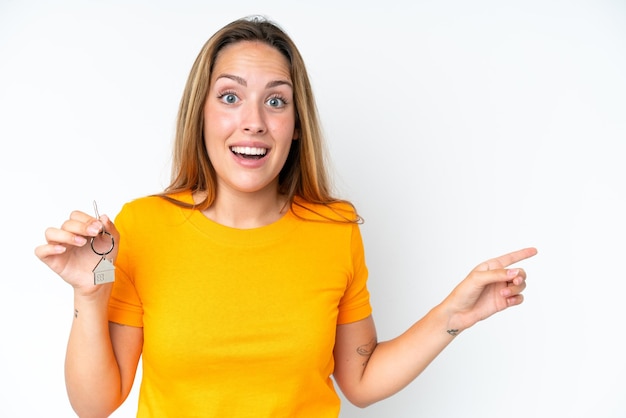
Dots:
(489, 288)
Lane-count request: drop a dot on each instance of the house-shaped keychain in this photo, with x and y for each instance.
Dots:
(104, 272)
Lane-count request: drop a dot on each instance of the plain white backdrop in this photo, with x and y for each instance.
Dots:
(461, 130)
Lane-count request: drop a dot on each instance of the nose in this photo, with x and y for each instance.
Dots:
(253, 121)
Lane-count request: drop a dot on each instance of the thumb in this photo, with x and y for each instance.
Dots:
(108, 225)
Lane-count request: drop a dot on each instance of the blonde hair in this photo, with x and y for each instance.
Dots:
(304, 173)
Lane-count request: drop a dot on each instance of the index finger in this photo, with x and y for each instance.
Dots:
(79, 216)
(82, 224)
(507, 259)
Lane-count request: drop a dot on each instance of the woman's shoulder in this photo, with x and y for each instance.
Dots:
(339, 211)
(144, 205)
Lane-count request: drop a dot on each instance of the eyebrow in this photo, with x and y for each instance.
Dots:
(243, 82)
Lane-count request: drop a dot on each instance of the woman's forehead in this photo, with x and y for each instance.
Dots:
(247, 57)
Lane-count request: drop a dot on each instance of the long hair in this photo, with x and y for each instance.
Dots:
(304, 173)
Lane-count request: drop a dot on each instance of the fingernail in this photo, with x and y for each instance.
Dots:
(505, 292)
(80, 240)
(94, 228)
(512, 272)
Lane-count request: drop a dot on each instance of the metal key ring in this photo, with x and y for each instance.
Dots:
(110, 249)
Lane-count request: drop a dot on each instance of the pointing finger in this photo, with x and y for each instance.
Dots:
(507, 259)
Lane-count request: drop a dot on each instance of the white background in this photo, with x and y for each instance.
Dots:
(461, 130)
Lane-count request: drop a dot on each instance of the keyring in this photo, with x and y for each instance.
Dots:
(110, 249)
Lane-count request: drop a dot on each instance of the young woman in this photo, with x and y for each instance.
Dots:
(243, 285)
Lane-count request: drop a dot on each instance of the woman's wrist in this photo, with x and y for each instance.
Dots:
(97, 299)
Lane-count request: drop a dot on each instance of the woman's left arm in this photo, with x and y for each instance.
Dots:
(368, 371)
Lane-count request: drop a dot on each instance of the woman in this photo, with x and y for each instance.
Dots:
(243, 285)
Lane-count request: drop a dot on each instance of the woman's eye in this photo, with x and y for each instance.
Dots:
(229, 98)
(276, 102)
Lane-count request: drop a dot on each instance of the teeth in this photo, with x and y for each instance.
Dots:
(249, 150)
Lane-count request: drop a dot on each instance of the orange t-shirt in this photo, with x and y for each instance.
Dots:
(236, 322)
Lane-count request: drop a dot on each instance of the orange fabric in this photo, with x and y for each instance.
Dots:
(237, 323)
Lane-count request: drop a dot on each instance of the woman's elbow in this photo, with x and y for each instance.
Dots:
(357, 397)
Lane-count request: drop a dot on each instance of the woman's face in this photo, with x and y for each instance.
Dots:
(249, 117)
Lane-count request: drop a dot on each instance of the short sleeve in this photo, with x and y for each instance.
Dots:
(125, 306)
(355, 303)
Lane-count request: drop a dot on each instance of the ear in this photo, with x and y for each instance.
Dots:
(296, 134)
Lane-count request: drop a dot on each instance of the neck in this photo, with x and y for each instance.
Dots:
(247, 210)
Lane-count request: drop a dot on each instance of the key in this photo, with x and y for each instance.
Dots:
(104, 272)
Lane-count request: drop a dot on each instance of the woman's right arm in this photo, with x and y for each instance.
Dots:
(102, 357)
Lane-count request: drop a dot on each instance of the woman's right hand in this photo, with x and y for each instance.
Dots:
(68, 250)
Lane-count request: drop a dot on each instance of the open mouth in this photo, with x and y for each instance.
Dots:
(249, 152)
